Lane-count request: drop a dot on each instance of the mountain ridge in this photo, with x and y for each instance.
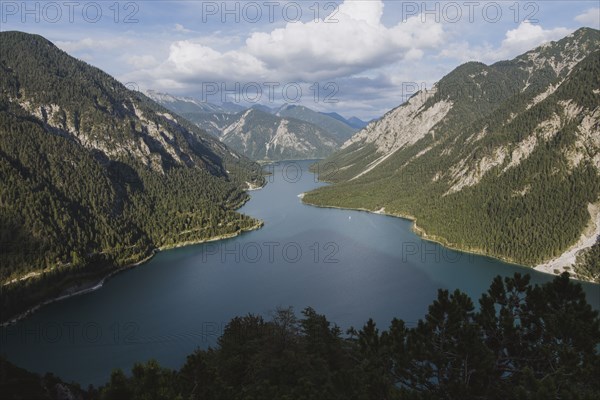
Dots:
(93, 175)
(338, 128)
(266, 137)
(480, 147)
(263, 133)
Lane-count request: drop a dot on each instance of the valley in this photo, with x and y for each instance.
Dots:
(514, 168)
(419, 220)
(99, 177)
(304, 256)
(265, 133)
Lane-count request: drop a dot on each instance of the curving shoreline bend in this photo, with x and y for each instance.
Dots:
(420, 232)
(432, 238)
(568, 258)
(97, 284)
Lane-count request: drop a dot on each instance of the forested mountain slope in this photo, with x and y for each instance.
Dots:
(501, 159)
(336, 127)
(212, 118)
(262, 133)
(95, 176)
(262, 136)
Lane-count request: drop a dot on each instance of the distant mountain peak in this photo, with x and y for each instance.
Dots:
(261, 135)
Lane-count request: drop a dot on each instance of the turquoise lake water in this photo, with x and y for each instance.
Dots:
(348, 265)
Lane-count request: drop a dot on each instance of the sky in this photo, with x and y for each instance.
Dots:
(357, 58)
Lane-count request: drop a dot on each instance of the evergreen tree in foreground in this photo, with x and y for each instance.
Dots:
(521, 342)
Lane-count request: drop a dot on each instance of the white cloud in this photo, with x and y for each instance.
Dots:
(181, 28)
(368, 11)
(358, 41)
(590, 18)
(516, 41)
(143, 61)
(307, 51)
(190, 60)
(414, 54)
(463, 52)
(527, 36)
(92, 44)
(218, 39)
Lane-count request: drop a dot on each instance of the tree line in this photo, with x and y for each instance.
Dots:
(521, 341)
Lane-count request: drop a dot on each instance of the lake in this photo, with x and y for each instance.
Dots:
(348, 265)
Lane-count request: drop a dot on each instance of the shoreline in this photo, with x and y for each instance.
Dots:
(421, 233)
(179, 245)
(566, 260)
(85, 288)
(94, 285)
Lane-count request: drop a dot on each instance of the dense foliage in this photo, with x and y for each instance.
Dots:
(521, 342)
(94, 176)
(328, 122)
(220, 119)
(19, 384)
(526, 212)
(587, 264)
(263, 136)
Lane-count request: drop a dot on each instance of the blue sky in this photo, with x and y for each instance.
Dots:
(358, 58)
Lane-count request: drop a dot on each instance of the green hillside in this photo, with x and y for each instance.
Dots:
(509, 168)
(95, 176)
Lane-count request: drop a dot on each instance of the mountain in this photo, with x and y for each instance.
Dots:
(502, 159)
(357, 123)
(264, 108)
(182, 105)
(262, 136)
(256, 132)
(354, 122)
(96, 177)
(232, 108)
(308, 134)
(185, 105)
(212, 118)
(338, 128)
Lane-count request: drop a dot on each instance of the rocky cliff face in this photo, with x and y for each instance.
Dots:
(478, 157)
(262, 133)
(262, 136)
(212, 118)
(450, 106)
(95, 176)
